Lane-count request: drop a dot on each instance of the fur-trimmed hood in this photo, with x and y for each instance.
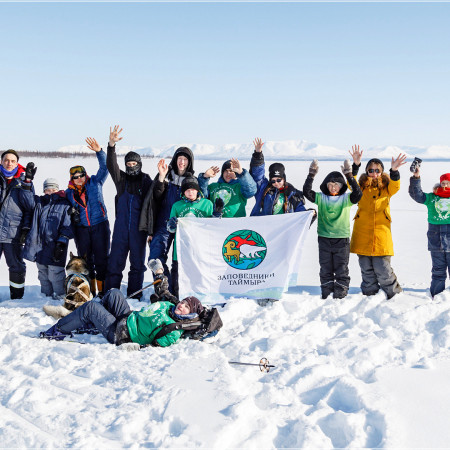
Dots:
(381, 182)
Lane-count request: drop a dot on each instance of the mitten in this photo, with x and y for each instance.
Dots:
(218, 207)
(415, 165)
(23, 235)
(155, 266)
(74, 215)
(314, 168)
(172, 225)
(30, 171)
(58, 252)
(347, 167)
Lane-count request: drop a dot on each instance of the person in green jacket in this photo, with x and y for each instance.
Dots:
(438, 204)
(333, 226)
(192, 204)
(234, 187)
(113, 317)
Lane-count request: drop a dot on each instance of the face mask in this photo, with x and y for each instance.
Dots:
(134, 170)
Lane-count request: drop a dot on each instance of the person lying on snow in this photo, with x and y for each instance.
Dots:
(114, 319)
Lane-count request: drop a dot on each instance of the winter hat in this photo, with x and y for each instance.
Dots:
(77, 169)
(13, 152)
(375, 161)
(194, 305)
(183, 151)
(444, 177)
(276, 170)
(225, 166)
(190, 182)
(51, 183)
(133, 156)
(333, 177)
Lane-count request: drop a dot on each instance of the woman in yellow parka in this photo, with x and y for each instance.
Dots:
(371, 237)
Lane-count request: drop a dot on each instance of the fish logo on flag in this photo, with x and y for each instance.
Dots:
(244, 249)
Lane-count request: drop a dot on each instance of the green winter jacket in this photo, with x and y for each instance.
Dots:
(186, 208)
(145, 324)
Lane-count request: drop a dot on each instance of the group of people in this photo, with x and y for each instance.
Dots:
(38, 228)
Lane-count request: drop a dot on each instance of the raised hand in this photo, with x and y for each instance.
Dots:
(114, 135)
(347, 167)
(356, 154)
(236, 166)
(93, 144)
(399, 161)
(314, 168)
(30, 171)
(258, 143)
(163, 168)
(211, 172)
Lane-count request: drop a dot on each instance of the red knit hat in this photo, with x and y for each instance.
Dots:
(446, 176)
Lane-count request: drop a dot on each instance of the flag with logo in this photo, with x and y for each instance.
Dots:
(254, 257)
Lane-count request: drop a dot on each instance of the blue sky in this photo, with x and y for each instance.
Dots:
(177, 73)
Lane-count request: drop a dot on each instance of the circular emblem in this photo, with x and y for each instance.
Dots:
(244, 249)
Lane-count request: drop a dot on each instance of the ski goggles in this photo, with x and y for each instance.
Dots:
(77, 169)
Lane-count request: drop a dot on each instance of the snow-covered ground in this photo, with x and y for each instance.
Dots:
(357, 372)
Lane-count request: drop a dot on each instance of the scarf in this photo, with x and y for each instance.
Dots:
(9, 173)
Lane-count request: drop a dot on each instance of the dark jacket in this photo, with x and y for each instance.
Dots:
(135, 185)
(16, 207)
(51, 224)
(265, 201)
(94, 212)
(162, 195)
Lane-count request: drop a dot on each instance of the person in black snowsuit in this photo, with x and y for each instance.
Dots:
(16, 211)
(164, 192)
(132, 186)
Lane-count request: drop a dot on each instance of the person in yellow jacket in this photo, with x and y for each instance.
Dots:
(371, 237)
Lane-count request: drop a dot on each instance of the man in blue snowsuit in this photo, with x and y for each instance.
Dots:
(165, 191)
(92, 233)
(16, 210)
(48, 239)
(132, 186)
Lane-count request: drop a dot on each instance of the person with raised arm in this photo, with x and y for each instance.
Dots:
(372, 237)
(132, 185)
(92, 232)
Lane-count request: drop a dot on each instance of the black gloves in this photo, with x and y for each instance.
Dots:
(30, 171)
(218, 207)
(23, 235)
(58, 252)
(172, 225)
(74, 215)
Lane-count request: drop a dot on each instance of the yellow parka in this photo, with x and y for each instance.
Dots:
(372, 227)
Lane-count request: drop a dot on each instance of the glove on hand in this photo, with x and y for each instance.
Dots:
(58, 252)
(415, 165)
(155, 266)
(23, 235)
(172, 225)
(30, 171)
(314, 168)
(347, 167)
(218, 207)
(74, 215)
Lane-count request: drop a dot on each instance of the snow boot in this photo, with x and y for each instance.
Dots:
(16, 285)
(54, 333)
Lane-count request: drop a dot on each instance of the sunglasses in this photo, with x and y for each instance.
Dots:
(76, 177)
(276, 180)
(374, 170)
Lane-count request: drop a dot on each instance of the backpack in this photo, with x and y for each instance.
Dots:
(206, 325)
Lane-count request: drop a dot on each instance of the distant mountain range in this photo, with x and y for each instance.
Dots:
(283, 150)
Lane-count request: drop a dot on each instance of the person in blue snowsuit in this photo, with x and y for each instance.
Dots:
(132, 186)
(92, 233)
(16, 211)
(48, 239)
(274, 195)
(164, 192)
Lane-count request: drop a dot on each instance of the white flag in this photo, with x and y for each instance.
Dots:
(255, 257)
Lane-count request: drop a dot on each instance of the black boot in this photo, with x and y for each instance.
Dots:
(16, 285)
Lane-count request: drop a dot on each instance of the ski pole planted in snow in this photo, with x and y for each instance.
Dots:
(264, 365)
(143, 289)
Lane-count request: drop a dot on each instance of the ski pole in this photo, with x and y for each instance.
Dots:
(143, 289)
(264, 365)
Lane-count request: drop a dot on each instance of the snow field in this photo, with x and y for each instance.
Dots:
(356, 372)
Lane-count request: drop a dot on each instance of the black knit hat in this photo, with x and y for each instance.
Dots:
(375, 161)
(13, 152)
(190, 182)
(225, 166)
(194, 305)
(133, 156)
(276, 170)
